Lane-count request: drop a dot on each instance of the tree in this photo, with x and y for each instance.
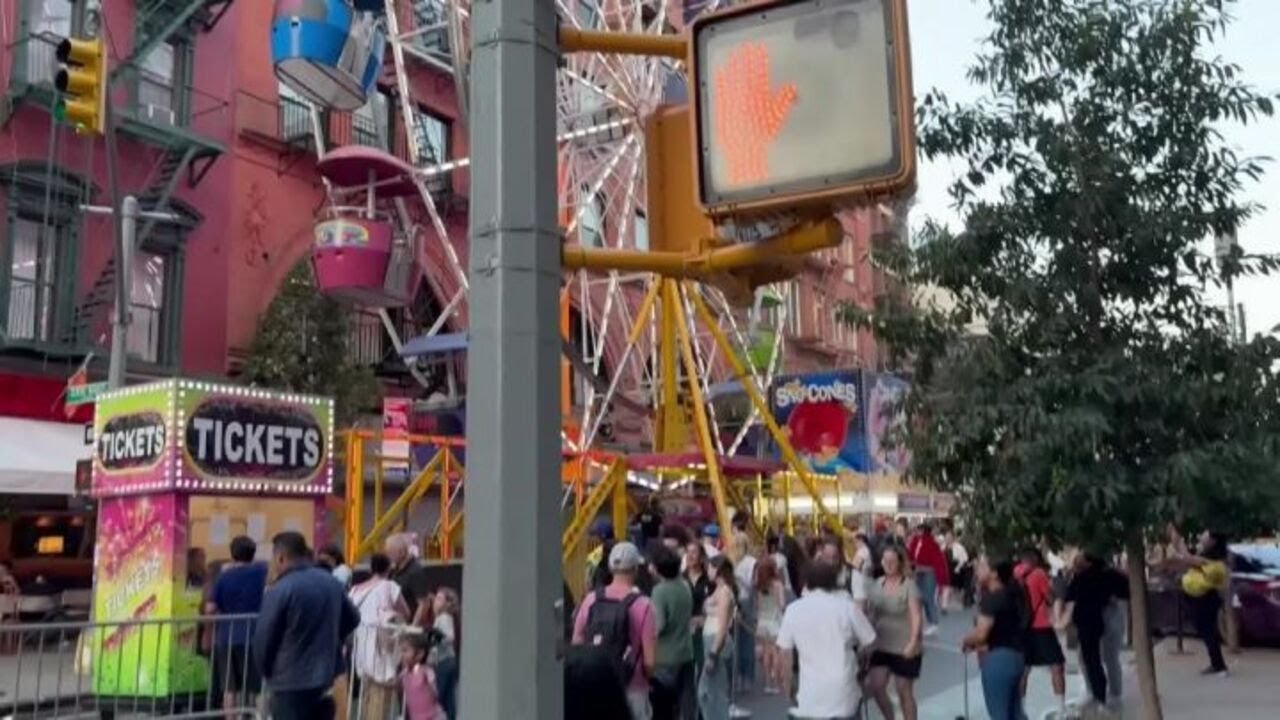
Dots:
(1106, 397)
(301, 345)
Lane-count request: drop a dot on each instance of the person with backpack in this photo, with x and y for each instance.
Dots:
(615, 626)
(1043, 648)
(1000, 637)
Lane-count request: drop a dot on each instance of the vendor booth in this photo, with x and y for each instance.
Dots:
(179, 465)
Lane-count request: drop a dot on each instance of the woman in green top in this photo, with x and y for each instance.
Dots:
(895, 610)
(1204, 581)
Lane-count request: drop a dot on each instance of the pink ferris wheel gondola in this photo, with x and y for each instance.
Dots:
(358, 256)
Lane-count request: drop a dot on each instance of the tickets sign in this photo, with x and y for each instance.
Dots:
(131, 432)
(188, 435)
(249, 440)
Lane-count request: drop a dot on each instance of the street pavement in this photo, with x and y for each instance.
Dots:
(1249, 693)
(940, 691)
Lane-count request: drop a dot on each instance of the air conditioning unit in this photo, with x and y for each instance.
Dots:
(158, 114)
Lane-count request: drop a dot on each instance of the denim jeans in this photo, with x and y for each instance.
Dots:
(1001, 672)
(713, 690)
(638, 702)
(745, 649)
(314, 704)
(1116, 618)
(447, 685)
(672, 695)
(927, 583)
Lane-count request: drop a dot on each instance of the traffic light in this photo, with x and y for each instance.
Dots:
(802, 104)
(82, 82)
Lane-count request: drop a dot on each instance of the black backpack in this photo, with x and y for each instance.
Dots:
(607, 635)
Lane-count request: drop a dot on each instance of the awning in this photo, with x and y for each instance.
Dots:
(38, 457)
(434, 345)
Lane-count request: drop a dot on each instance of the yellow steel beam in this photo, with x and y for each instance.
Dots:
(595, 499)
(762, 407)
(575, 40)
(619, 507)
(446, 483)
(672, 434)
(355, 492)
(671, 294)
(805, 238)
(415, 490)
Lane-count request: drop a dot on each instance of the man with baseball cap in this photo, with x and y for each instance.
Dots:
(617, 623)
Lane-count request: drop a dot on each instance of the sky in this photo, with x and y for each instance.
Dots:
(946, 34)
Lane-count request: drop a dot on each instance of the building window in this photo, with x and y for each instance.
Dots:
(795, 321)
(369, 123)
(433, 139)
(158, 83)
(147, 301)
(295, 115)
(32, 281)
(46, 20)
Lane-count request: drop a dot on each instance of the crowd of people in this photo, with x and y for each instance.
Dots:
(687, 622)
(686, 626)
(327, 641)
(693, 621)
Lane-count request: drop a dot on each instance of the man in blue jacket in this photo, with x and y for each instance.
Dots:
(305, 618)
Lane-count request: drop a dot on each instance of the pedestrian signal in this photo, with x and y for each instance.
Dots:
(802, 103)
(82, 82)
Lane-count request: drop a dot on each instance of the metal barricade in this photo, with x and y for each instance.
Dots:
(371, 688)
(197, 667)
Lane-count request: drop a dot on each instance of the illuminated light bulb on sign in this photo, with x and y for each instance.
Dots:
(802, 103)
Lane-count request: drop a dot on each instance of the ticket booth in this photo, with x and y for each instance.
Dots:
(181, 464)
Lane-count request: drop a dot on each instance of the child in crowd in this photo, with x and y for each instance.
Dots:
(417, 678)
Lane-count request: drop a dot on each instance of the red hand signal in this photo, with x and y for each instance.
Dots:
(748, 113)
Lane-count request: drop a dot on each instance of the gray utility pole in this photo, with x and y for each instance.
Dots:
(513, 582)
(124, 291)
(1223, 246)
(125, 248)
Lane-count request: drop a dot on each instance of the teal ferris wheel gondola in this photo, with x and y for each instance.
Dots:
(328, 51)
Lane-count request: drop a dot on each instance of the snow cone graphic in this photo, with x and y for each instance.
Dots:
(818, 432)
(822, 416)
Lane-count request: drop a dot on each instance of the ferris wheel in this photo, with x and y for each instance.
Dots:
(603, 103)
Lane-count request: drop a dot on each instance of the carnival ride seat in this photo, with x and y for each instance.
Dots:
(358, 255)
(329, 51)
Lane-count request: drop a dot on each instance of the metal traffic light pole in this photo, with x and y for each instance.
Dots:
(124, 213)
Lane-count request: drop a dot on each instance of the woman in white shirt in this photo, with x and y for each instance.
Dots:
(374, 654)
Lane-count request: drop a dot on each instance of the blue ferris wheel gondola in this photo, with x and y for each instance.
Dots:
(327, 51)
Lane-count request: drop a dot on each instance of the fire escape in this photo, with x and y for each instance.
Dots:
(166, 113)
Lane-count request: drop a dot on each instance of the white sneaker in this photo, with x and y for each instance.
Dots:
(930, 630)
(738, 712)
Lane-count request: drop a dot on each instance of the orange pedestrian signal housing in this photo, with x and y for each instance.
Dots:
(802, 105)
(82, 82)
